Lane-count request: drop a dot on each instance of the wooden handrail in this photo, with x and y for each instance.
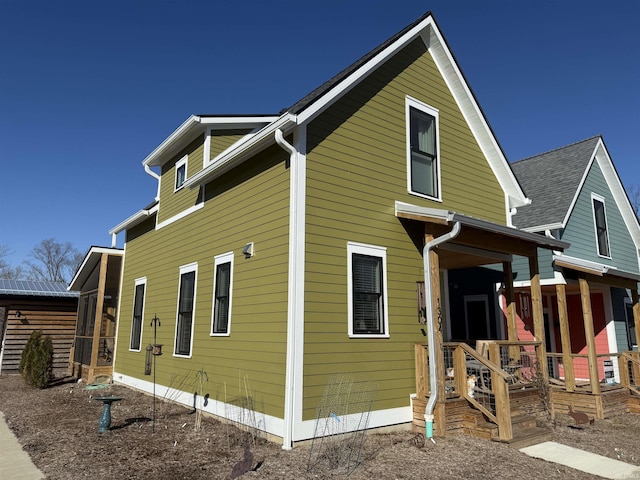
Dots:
(632, 358)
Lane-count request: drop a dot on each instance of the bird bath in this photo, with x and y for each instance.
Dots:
(105, 418)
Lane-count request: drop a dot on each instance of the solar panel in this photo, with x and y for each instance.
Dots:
(35, 288)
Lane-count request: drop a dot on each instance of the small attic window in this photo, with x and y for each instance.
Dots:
(423, 169)
(600, 220)
(181, 172)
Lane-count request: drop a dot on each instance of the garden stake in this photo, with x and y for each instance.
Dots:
(155, 323)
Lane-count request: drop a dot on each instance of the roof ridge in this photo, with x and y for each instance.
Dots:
(556, 149)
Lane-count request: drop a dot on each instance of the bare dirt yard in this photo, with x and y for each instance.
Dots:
(58, 427)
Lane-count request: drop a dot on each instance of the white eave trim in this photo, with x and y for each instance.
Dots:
(197, 124)
(90, 254)
(596, 268)
(445, 216)
(543, 228)
(133, 220)
(242, 150)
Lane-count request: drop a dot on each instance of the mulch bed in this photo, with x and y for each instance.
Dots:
(58, 427)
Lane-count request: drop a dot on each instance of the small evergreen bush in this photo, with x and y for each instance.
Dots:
(36, 362)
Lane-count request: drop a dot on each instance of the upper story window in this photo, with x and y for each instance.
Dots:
(186, 310)
(367, 291)
(423, 151)
(222, 282)
(138, 314)
(600, 220)
(181, 172)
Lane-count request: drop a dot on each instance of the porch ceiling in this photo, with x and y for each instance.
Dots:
(480, 242)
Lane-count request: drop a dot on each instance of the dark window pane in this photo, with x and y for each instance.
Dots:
(221, 307)
(185, 313)
(367, 294)
(136, 327)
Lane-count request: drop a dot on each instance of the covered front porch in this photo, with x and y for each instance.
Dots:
(494, 387)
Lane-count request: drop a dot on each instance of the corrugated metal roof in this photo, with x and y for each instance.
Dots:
(35, 288)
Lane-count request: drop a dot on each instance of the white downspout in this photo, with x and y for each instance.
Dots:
(154, 175)
(289, 392)
(433, 375)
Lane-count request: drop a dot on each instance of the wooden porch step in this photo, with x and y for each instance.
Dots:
(528, 437)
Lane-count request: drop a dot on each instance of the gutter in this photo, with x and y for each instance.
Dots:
(433, 374)
(147, 169)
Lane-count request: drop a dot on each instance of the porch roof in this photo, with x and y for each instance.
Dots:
(607, 272)
(485, 242)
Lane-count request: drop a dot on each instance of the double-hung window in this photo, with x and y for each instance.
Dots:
(367, 291)
(222, 282)
(600, 220)
(186, 310)
(138, 314)
(181, 172)
(423, 159)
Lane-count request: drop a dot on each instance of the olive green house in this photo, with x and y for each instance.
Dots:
(282, 249)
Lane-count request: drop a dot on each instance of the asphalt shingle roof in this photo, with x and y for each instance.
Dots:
(551, 180)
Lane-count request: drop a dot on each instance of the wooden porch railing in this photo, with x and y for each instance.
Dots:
(629, 363)
(502, 365)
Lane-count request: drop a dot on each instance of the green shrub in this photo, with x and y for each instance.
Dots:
(36, 362)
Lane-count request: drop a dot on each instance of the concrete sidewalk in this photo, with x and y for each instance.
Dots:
(583, 461)
(15, 464)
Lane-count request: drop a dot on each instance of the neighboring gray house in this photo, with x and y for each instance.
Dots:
(578, 197)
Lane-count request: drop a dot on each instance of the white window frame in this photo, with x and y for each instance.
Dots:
(183, 162)
(372, 251)
(220, 260)
(595, 224)
(191, 267)
(434, 112)
(138, 282)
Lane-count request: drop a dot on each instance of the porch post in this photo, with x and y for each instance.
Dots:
(636, 321)
(509, 296)
(95, 346)
(636, 312)
(510, 299)
(538, 316)
(587, 316)
(440, 422)
(565, 338)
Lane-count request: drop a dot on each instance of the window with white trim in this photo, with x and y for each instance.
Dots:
(222, 288)
(600, 221)
(367, 290)
(181, 172)
(186, 310)
(423, 149)
(138, 314)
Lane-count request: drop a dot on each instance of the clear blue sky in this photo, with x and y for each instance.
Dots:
(88, 89)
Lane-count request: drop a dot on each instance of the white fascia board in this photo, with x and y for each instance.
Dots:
(155, 158)
(238, 122)
(597, 268)
(133, 219)
(242, 151)
(91, 254)
(319, 105)
(565, 220)
(543, 228)
(478, 124)
(618, 192)
(196, 124)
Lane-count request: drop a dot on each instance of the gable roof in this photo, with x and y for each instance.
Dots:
(90, 261)
(311, 105)
(551, 180)
(33, 288)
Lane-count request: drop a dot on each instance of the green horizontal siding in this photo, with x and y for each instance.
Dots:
(172, 202)
(252, 359)
(356, 170)
(223, 139)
